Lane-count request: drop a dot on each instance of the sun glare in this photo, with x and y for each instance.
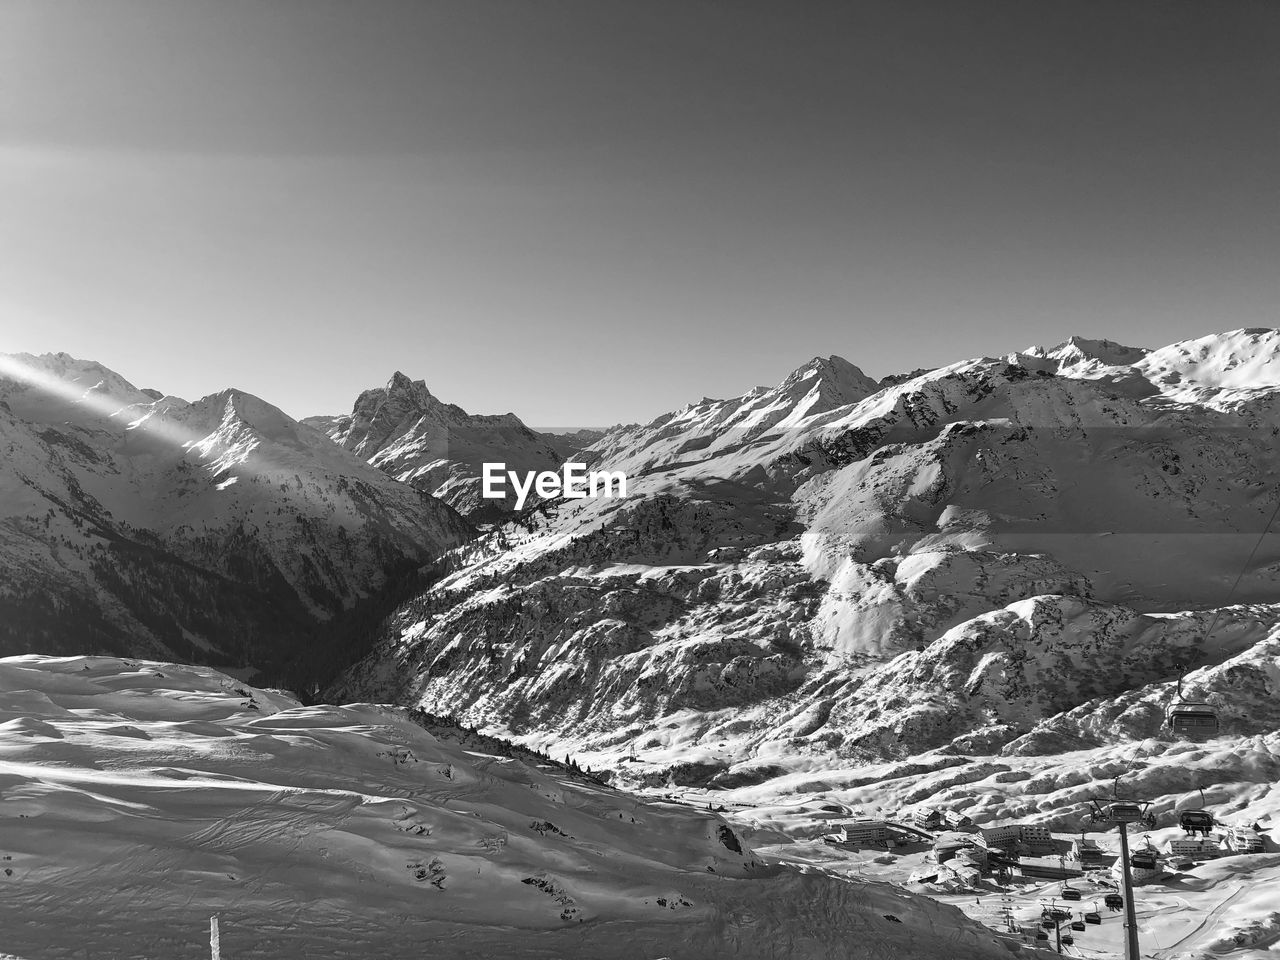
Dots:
(137, 414)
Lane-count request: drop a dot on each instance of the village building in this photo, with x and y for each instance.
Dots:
(927, 818)
(1242, 839)
(947, 845)
(1006, 837)
(1198, 848)
(866, 831)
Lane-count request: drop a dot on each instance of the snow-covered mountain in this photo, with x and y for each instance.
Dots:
(725, 433)
(141, 798)
(844, 572)
(219, 530)
(970, 588)
(437, 447)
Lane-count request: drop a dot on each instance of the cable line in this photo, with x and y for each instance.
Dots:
(1245, 569)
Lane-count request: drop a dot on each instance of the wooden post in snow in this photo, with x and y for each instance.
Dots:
(215, 946)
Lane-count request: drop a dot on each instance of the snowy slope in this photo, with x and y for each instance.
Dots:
(140, 797)
(439, 448)
(221, 529)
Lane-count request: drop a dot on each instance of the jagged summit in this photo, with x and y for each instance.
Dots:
(380, 413)
(402, 385)
(408, 433)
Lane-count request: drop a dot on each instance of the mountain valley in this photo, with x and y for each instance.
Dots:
(972, 593)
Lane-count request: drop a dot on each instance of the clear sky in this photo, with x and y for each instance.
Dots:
(589, 212)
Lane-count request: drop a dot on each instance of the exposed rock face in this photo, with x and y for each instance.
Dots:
(219, 531)
(832, 568)
(439, 448)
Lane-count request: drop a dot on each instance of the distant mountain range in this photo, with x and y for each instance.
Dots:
(1017, 553)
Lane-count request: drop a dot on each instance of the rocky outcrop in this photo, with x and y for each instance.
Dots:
(436, 447)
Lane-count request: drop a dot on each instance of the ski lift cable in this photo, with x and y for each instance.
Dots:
(1244, 569)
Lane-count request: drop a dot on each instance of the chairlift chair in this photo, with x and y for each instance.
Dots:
(1093, 917)
(1197, 820)
(1191, 718)
(1070, 893)
(1143, 860)
(1068, 939)
(1041, 935)
(1123, 811)
(1113, 901)
(1077, 924)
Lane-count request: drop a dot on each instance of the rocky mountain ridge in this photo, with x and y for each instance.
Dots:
(833, 568)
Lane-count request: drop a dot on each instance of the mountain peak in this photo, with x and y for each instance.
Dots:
(411, 435)
(836, 381)
(831, 366)
(1077, 349)
(403, 387)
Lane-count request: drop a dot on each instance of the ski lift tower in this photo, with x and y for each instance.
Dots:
(1006, 913)
(1052, 917)
(1119, 812)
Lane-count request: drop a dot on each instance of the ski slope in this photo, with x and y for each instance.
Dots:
(138, 798)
